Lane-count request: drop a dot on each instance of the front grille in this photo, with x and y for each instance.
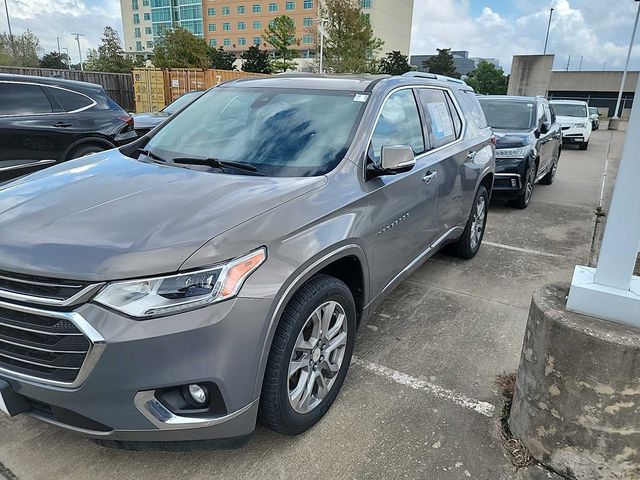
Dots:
(39, 287)
(49, 348)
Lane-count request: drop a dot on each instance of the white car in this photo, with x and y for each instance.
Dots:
(573, 115)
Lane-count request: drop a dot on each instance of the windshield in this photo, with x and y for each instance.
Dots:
(593, 110)
(281, 132)
(570, 110)
(508, 114)
(181, 102)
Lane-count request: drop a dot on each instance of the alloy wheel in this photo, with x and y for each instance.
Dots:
(317, 356)
(478, 222)
(531, 174)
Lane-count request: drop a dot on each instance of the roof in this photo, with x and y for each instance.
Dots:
(347, 82)
(61, 82)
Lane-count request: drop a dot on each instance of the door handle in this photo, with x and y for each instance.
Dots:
(429, 176)
(62, 125)
(471, 155)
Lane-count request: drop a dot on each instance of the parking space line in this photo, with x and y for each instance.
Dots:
(523, 250)
(483, 408)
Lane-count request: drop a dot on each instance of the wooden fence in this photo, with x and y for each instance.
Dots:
(119, 86)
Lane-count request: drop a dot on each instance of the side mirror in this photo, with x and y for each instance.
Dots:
(544, 127)
(397, 158)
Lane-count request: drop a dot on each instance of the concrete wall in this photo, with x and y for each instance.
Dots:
(530, 75)
(391, 21)
(592, 81)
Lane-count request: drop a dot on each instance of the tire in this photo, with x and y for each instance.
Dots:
(467, 245)
(584, 146)
(84, 150)
(287, 404)
(551, 174)
(522, 201)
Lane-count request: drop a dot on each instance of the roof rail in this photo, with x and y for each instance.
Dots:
(434, 76)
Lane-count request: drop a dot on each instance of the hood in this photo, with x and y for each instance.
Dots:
(513, 138)
(107, 216)
(566, 121)
(149, 120)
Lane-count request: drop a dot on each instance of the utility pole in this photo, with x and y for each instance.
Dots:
(323, 34)
(604, 65)
(546, 40)
(580, 67)
(78, 35)
(68, 58)
(58, 40)
(568, 62)
(624, 75)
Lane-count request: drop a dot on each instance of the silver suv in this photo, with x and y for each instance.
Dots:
(217, 269)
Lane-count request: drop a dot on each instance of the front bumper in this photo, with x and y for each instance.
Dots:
(575, 135)
(220, 344)
(509, 177)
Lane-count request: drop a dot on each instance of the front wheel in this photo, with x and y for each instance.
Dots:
(309, 357)
(584, 146)
(469, 242)
(522, 200)
(551, 174)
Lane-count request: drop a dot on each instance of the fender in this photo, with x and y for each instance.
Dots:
(83, 140)
(303, 274)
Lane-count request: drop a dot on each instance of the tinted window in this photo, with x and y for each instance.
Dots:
(547, 114)
(70, 101)
(475, 110)
(570, 109)
(20, 99)
(457, 121)
(508, 114)
(440, 124)
(282, 132)
(181, 102)
(399, 124)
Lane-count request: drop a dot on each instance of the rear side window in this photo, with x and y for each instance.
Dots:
(399, 124)
(70, 101)
(473, 111)
(23, 99)
(441, 125)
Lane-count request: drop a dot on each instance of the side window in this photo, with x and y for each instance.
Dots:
(457, 122)
(442, 129)
(472, 111)
(22, 99)
(70, 101)
(540, 116)
(399, 124)
(548, 111)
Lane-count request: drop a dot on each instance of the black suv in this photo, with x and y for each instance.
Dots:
(49, 120)
(528, 144)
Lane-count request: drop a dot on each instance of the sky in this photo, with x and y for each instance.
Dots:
(596, 30)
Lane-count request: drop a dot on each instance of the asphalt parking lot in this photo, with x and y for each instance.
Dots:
(419, 401)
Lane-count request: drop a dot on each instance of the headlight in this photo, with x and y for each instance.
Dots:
(512, 152)
(580, 125)
(154, 297)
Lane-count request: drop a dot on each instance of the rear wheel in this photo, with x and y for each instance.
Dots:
(469, 242)
(551, 174)
(310, 356)
(522, 201)
(84, 150)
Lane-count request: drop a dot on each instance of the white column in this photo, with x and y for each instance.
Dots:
(611, 291)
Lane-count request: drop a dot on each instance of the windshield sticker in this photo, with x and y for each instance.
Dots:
(441, 123)
(360, 98)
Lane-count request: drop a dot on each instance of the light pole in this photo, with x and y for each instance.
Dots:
(546, 40)
(78, 35)
(58, 40)
(323, 34)
(624, 74)
(6, 9)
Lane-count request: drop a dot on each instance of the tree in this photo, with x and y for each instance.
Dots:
(442, 63)
(256, 60)
(179, 48)
(218, 58)
(488, 79)
(350, 46)
(281, 34)
(19, 50)
(395, 64)
(109, 57)
(55, 60)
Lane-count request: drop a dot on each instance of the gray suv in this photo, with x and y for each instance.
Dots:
(217, 269)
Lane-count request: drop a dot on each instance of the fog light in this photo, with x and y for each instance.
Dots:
(514, 183)
(198, 394)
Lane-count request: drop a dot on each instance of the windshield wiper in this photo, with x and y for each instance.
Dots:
(149, 154)
(216, 163)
